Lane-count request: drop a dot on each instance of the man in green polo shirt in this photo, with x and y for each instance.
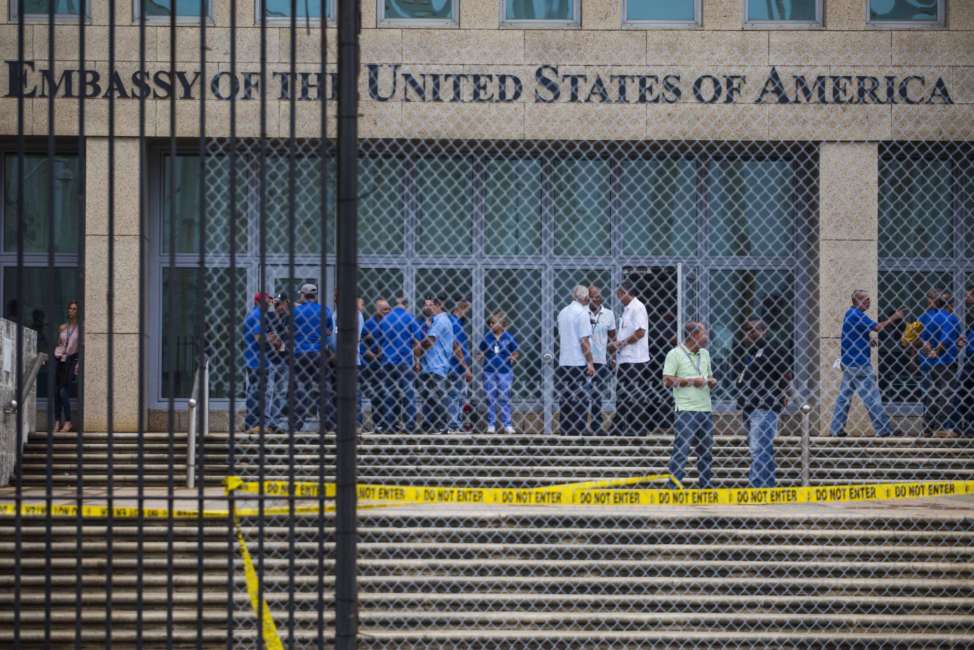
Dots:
(687, 371)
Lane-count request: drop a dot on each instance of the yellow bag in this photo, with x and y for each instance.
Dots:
(912, 332)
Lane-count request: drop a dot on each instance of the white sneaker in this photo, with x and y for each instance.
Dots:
(508, 429)
(491, 430)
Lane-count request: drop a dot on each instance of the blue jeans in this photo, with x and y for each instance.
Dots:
(395, 394)
(456, 397)
(255, 407)
(762, 428)
(694, 428)
(497, 388)
(860, 380)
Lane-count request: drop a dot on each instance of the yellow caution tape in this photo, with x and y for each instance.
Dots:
(272, 640)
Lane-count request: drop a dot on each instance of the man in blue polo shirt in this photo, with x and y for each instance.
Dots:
(257, 334)
(313, 325)
(937, 348)
(396, 334)
(433, 355)
(857, 371)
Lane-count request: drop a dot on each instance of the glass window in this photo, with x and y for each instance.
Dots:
(38, 203)
(381, 208)
(923, 12)
(280, 9)
(307, 207)
(513, 207)
(658, 207)
(664, 11)
(515, 293)
(735, 297)
(187, 205)
(163, 8)
(445, 201)
(555, 10)
(376, 283)
(36, 303)
(916, 207)
(580, 204)
(784, 10)
(750, 206)
(39, 8)
(439, 11)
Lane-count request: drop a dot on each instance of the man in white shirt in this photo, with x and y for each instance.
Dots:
(632, 358)
(603, 324)
(575, 365)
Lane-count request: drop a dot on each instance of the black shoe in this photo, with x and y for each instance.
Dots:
(840, 434)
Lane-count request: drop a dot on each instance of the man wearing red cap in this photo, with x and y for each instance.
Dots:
(257, 351)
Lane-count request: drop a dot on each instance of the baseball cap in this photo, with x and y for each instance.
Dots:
(261, 295)
(309, 290)
(282, 297)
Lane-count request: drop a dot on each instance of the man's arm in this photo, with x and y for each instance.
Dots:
(895, 318)
(458, 354)
(587, 352)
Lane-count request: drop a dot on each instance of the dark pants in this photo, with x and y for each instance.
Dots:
(571, 384)
(693, 429)
(434, 390)
(395, 396)
(599, 389)
(635, 400)
(939, 392)
(64, 377)
(965, 398)
(314, 391)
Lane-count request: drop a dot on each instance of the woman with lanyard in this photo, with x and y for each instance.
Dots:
(66, 356)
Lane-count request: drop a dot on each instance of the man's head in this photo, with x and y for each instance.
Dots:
(262, 299)
(381, 308)
(695, 335)
(860, 299)
(309, 292)
(625, 292)
(580, 294)
(497, 322)
(935, 298)
(595, 297)
(947, 301)
(461, 308)
(282, 303)
(402, 302)
(432, 306)
(754, 330)
(969, 298)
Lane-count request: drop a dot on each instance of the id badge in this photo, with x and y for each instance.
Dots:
(497, 349)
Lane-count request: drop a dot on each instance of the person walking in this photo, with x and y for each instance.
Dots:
(461, 374)
(689, 373)
(603, 324)
(398, 331)
(66, 369)
(763, 374)
(857, 372)
(575, 364)
(498, 353)
(433, 354)
(313, 327)
(631, 348)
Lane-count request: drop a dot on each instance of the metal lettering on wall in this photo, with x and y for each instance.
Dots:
(546, 86)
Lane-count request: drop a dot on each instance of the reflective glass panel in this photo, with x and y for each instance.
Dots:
(381, 208)
(42, 7)
(185, 205)
(916, 207)
(904, 11)
(307, 206)
(164, 7)
(658, 207)
(751, 208)
(38, 203)
(800, 10)
(418, 9)
(513, 207)
(305, 8)
(445, 201)
(580, 204)
(677, 10)
(539, 10)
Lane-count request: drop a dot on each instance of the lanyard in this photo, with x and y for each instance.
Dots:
(594, 319)
(695, 364)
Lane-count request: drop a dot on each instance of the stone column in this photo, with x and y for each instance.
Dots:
(848, 260)
(126, 285)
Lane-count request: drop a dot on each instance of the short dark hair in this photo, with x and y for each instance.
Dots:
(436, 300)
(627, 286)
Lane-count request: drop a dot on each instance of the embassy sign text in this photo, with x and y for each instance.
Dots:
(547, 85)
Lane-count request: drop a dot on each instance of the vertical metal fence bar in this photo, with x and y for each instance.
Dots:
(19, 292)
(261, 284)
(346, 591)
(143, 325)
(291, 242)
(171, 309)
(201, 337)
(232, 309)
(79, 446)
(110, 312)
(323, 152)
(49, 462)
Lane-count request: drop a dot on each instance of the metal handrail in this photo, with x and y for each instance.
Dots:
(806, 442)
(29, 380)
(200, 393)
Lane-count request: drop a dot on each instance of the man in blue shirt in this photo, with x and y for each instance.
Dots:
(313, 326)
(938, 348)
(965, 400)
(370, 350)
(433, 355)
(460, 373)
(396, 334)
(257, 362)
(857, 372)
